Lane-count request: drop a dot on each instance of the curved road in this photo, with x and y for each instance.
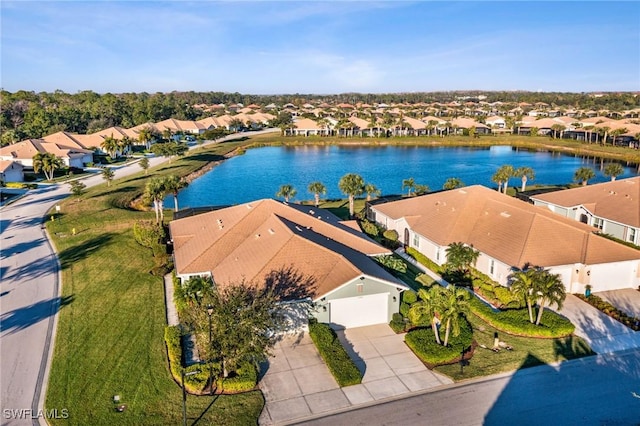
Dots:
(30, 296)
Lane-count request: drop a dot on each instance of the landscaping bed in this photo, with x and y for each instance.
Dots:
(615, 313)
(422, 342)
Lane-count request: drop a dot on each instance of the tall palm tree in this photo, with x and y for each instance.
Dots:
(617, 132)
(317, 188)
(108, 175)
(452, 183)
(155, 191)
(429, 304)
(145, 135)
(583, 174)
(558, 128)
(110, 146)
(351, 185)
(454, 306)
(46, 162)
(174, 184)
(286, 191)
(524, 173)
(410, 184)
(460, 257)
(613, 170)
(125, 144)
(503, 174)
(373, 125)
(370, 189)
(523, 287)
(549, 290)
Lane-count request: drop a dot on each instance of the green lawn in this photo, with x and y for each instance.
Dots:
(110, 332)
(526, 352)
(340, 208)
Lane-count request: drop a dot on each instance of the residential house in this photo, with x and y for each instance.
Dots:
(612, 207)
(510, 234)
(24, 151)
(11, 171)
(252, 241)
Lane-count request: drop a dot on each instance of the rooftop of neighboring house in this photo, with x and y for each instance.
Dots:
(618, 201)
(505, 228)
(248, 241)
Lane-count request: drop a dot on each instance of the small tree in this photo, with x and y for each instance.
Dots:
(46, 163)
(613, 170)
(144, 164)
(77, 188)
(371, 190)
(155, 191)
(410, 184)
(454, 306)
(286, 191)
(524, 173)
(583, 174)
(429, 304)
(173, 184)
(108, 174)
(453, 183)
(351, 185)
(317, 188)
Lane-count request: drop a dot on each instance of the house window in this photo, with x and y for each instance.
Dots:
(416, 240)
(360, 288)
(631, 235)
(492, 267)
(598, 223)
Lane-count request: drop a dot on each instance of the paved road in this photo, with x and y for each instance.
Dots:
(598, 390)
(29, 297)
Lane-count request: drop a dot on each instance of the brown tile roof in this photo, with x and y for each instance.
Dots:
(250, 240)
(505, 228)
(618, 201)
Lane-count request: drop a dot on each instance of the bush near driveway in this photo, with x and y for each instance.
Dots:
(423, 343)
(334, 355)
(615, 313)
(516, 321)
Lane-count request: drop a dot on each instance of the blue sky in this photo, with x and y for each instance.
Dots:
(319, 47)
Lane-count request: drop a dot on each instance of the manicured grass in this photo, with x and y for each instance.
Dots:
(413, 277)
(340, 208)
(110, 334)
(526, 352)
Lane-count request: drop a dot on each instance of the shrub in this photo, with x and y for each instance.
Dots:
(21, 185)
(424, 260)
(370, 228)
(397, 323)
(504, 296)
(148, 234)
(334, 355)
(423, 343)
(391, 235)
(516, 321)
(244, 379)
(615, 313)
(404, 309)
(409, 296)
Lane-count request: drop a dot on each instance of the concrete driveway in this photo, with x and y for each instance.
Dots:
(298, 385)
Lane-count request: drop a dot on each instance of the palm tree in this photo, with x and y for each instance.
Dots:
(524, 173)
(174, 184)
(144, 164)
(455, 304)
(110, 146)
(124, 144)
(549, 290)
(452, 183)
(373, 125)
(522, 287)
(286, 191)
(196, 288)
(502, 176)
(46, 162)
(428, 306)
(617, 132)
(421, 189)
(370, 189)
(145, 135)
(460, 257)
(351, 185)
(410, 184)
(557, 128)
(583, 174)
(317, 188)
(155, 191)
(613, 170)
(108, 175)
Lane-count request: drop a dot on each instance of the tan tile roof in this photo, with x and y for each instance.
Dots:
(250, 240)
(65, 138)
(306, 124)
(618, 201)
(466, 123)
(115, 132)
(505, 228)
(22, 150)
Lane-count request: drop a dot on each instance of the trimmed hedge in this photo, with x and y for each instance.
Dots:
(21, 185)
(424, 260)
(615, 313)
(397, 324)
(516, 321)
(193, 383)
(423, 343)
(334, 355)
(244, 379)
(409, 296)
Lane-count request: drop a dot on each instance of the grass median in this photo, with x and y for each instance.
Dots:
(110, 333)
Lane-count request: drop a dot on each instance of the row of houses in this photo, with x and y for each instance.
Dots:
(314, 256)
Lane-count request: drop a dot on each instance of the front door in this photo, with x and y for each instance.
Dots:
(406, 237)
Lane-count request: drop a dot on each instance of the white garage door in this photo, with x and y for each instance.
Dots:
(360, 310)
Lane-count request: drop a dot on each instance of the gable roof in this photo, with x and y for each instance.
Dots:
(251, 240)
(618, 201)
(507, 229)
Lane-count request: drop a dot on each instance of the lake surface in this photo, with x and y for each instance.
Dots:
(260, 172)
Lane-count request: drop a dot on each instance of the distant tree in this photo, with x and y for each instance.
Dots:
(46, 163)
(351, 185)
(453, 183)
(613, 170)
(173, 184)
(410, 184)
(110, 146)
(502, 176)
(108, 175)
(371, 190)
(421, 189)
(524, 173)
(617, 132)
(534, 131)
(169, 149)
(317, 188)
(286, 191)
(145, 136)
(144, 164)
(558, 128)
(77, 187)
(583, 174)
(155, 191)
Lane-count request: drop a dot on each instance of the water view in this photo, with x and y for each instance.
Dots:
(260, 172)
